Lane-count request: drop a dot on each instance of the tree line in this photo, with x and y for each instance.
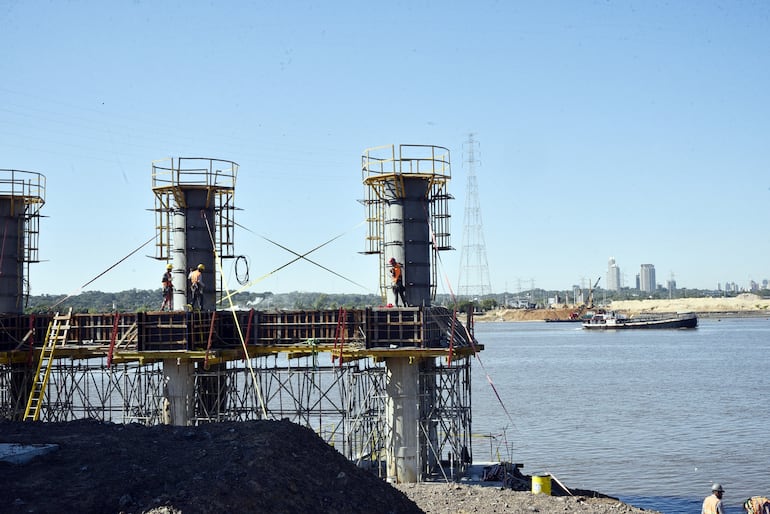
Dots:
(143, 300)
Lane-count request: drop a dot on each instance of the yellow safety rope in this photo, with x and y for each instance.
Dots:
(298, 257)
(235, 320)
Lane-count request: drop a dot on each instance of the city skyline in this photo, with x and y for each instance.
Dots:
(637, 131)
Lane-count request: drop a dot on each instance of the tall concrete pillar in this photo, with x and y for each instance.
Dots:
(199, 218)
(407, 237)
(21, 197)
(194, 205)
(405, 184)
(179, 261)
(403, 414)
(178, 392)
(394, 241)
(416, 238)
(11, 268)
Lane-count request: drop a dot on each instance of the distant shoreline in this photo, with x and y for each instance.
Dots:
(734, 314)
(741, 306)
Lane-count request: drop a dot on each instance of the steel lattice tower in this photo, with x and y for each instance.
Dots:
(474, 270)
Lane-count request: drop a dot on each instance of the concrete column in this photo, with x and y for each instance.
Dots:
(394, 241)
(407, 238)
(11, 257)
(417, 243)
(199, 247)
(179, 392)
(179, 261)
(402, 412)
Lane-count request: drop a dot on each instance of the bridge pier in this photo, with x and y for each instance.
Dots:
(402, 411)
(178, 392)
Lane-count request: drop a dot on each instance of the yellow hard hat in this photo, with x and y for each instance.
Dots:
(169, 266)
(201, 267)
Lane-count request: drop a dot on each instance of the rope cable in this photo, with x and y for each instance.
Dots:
(78, 290)
(218, 263)
(470, 337)
(299, 256)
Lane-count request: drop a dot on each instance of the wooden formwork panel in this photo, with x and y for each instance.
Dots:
(401, 327)
(99, 329)
(13, 329)
(233, 327)
(409, 327)
(320, 326)
(163, 331)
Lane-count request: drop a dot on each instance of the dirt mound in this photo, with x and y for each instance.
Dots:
(255, 466)
(525, 314)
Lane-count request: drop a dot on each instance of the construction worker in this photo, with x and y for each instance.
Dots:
(396, 275)
(168, 289)
(757, 505)
(196, 286)
(713, 503)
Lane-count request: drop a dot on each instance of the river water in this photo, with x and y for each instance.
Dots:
(652, 417)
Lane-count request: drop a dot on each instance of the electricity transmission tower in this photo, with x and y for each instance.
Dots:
(474, 270)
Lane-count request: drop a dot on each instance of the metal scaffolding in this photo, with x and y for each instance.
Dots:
(386, 171)
(289, 365)
(195, 186)
(22, 196)
(344, 404)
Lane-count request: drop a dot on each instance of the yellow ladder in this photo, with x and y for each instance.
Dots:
(57, 333)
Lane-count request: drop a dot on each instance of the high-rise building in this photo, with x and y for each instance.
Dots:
(613, 275)
(671, 286)
(647, 278)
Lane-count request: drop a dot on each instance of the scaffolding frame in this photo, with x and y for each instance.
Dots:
(344, 404)
(383, 171)
(26, 191)
(290, 365)
(171, 177)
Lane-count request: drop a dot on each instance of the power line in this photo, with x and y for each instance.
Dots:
(474, 269)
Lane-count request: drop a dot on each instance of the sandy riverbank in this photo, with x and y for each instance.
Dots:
(743, 304)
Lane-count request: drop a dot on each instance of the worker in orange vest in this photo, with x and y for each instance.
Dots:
(396, 274)
(713, 503)
(196, 287)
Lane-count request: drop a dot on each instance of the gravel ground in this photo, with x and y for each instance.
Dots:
(466, 499)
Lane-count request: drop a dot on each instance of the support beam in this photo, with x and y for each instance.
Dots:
(402, 413)
(178, 392)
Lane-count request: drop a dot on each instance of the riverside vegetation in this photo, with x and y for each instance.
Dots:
(134, 300)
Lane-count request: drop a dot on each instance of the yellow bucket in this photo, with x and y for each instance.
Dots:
(541, 484)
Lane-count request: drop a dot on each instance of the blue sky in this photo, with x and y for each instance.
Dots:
(638, 130)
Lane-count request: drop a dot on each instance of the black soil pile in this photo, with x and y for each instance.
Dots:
(255, 466)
